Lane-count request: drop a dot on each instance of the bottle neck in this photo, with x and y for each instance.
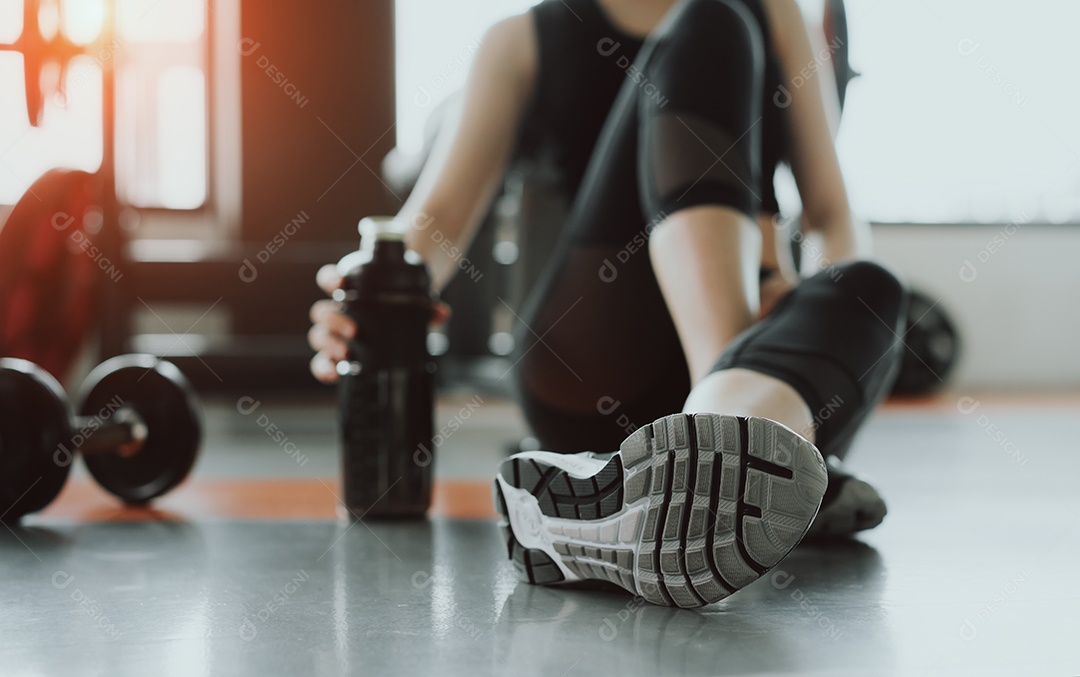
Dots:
(389, 250)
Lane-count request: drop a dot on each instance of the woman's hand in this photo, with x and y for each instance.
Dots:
(773, 289)
(331, 330)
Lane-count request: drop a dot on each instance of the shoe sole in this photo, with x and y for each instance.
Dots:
(689, 510)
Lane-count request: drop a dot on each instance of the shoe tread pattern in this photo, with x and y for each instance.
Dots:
(711, 502)
(730, 497)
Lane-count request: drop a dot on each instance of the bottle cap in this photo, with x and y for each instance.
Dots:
(373, 228)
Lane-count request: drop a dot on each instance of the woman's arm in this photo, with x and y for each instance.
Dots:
(470, 156)
(457, 183)
(814, 117)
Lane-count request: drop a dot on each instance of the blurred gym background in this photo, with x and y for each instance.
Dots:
(173, 173)
(246, 138)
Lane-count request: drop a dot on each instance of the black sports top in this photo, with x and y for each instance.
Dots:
(577, 85)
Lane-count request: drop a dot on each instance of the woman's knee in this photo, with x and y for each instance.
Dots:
(707, 64)
(879, 288)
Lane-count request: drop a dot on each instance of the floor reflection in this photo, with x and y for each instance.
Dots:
(784, 622)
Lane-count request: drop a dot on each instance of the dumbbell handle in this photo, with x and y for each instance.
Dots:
(123, 433)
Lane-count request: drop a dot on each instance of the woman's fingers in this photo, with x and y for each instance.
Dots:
(330, 330)
(324, 367)
(328, 278)
(320, 338)
(328, 314)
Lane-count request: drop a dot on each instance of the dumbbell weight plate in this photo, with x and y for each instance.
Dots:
(34, 422)
(162, 396)
(49, 278)
(932, 348)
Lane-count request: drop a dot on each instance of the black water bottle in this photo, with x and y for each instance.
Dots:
(386, 386)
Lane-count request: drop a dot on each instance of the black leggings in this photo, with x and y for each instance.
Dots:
(597, 351)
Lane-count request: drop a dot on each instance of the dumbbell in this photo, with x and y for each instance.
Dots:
(138, 430)
(932, 347)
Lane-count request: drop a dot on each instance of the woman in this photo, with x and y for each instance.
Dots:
(668, 120)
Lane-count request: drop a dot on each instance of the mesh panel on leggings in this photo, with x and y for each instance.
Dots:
(694, 161)
(593, 365)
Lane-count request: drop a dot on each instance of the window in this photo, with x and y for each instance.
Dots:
(965, 111)
(158, 52)
(435, 44)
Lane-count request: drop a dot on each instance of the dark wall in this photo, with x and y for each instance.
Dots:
(333, 65)
(317, 92)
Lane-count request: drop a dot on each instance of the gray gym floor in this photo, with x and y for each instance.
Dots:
(974, 572)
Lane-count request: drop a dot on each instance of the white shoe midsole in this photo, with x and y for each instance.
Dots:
(536, 531)
(577, 466)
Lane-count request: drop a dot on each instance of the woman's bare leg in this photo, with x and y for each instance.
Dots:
(741, 392)
(706, 261)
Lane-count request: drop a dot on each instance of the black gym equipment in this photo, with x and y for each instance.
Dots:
(66, 228)
(932, 348)
(138, 429)
(51, 269)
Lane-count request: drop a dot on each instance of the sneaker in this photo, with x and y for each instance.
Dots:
(689, 510)
(850, 505)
